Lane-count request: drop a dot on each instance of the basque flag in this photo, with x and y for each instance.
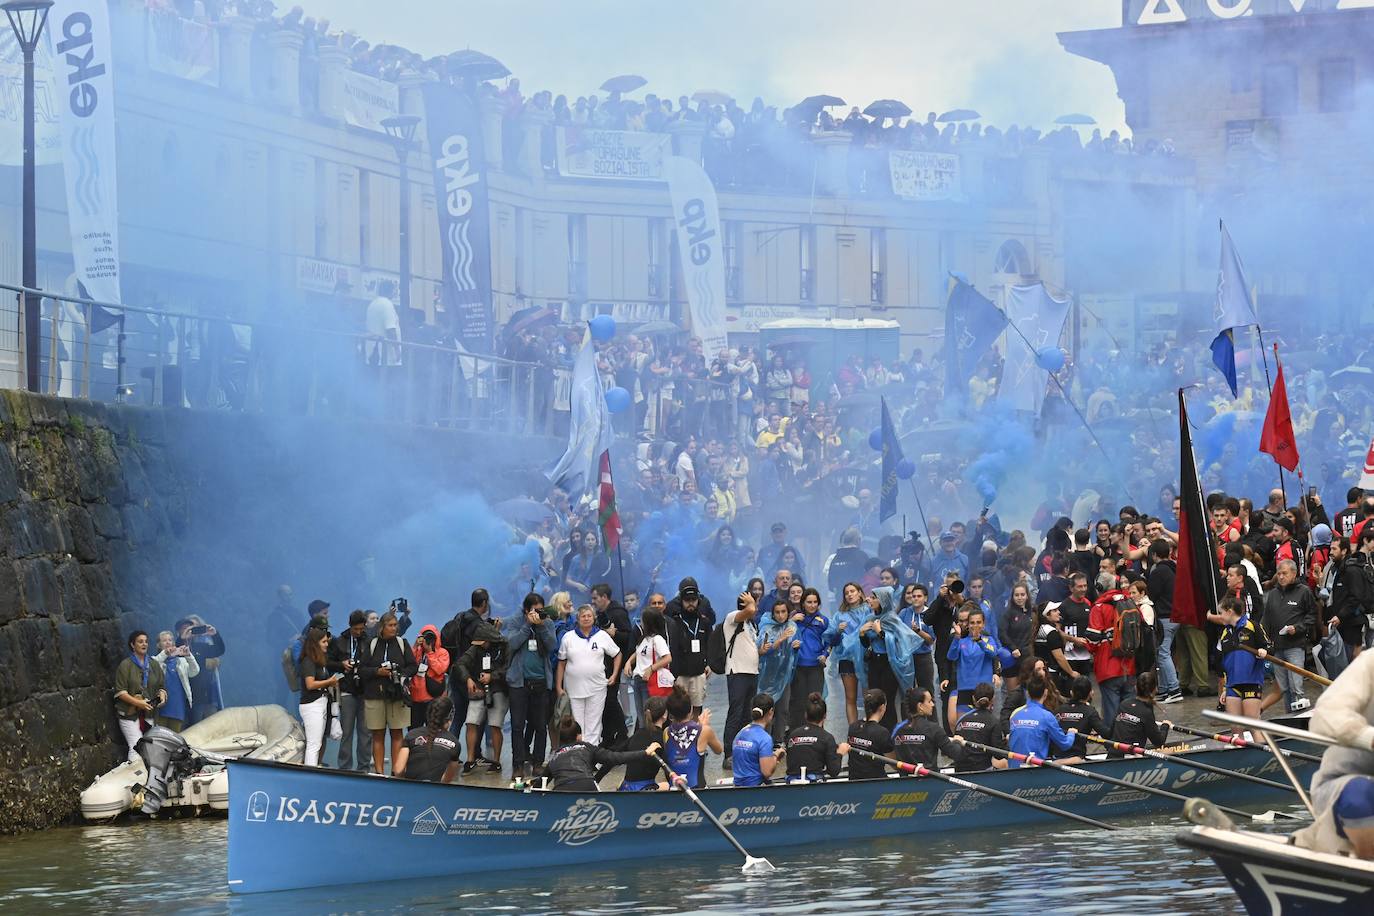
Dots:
(1276, 438)
(1234, 309)
(606, 515)
(1195, 583)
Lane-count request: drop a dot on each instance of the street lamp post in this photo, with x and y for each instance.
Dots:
(401, 130)
(27, 18)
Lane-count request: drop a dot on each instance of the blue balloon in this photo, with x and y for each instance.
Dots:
(906, 469)
(875, 439)
(617, 400)
(1051, 359)
(603, 328)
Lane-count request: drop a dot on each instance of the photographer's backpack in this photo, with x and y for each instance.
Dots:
(290, 663)
(717, 651)
(1130, 632)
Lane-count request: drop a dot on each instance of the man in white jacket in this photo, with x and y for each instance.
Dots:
(1343, 789)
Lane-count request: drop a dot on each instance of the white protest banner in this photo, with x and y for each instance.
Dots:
(588, 152)
(80, 31)
(925, 176)
(368, 101)
(699, 240)
(184, 48)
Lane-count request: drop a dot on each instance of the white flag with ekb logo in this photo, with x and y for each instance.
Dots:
(78, 36)
(700, 243)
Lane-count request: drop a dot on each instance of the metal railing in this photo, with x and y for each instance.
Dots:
(126, 354)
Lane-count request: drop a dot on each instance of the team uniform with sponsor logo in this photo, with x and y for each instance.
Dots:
(812, 750)
(870, 736)
(920, 740)
(1032, 729)
(1135, 724)
(752, 744)
(573, 766)
(430, 754)
(682, 750)
(985, 727)
(1085, 718)
(1244, 672)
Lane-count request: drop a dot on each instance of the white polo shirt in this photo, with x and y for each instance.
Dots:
(585, 673)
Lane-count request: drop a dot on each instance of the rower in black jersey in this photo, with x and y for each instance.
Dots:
(984, 726)
(812, 753)
(573, 765)
(920, 739)
(1079, 713)
(869, 735)
(1135, 720)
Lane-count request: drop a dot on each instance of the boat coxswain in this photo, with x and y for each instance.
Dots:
(1343, 788)
(1033, 728)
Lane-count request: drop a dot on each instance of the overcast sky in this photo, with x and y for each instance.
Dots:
(1000, 57)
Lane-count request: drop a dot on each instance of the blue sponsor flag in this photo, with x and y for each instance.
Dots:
(1234, 309)
(892, 454)
(972, 323)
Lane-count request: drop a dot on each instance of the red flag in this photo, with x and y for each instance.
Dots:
(1195, 583)
(1277, 436)
(607, 516)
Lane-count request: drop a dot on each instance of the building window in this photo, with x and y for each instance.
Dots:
(1012, 259)
(1336, 84)
(577, 255)
(657, 238)
(365, 216)
(806, 241)
(877, 263)
(733, 276)
(1279, 90)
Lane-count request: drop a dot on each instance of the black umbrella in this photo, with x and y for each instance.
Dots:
(476, 65)
(887, 108)
(627, 83)
(960, 114)
(813, 102)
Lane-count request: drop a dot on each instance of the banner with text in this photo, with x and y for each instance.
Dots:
(699, 239)
(925, 176)
(184, 48)
(47, 132)
(587, 152)
(82, 45)
(369, 101)
(460, 188)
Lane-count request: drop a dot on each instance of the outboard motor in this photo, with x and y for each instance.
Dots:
(167, 756)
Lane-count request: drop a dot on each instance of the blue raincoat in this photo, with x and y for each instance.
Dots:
(776, 667)
(844, 648)
(898, 638)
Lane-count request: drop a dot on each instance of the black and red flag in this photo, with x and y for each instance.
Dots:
(1195, 586)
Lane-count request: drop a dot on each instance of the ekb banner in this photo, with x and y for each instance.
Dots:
(700, 244)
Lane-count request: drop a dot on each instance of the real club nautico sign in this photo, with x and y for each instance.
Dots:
(1160, 12)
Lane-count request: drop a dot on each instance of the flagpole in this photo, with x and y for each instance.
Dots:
(925, 526)
(1270, 382)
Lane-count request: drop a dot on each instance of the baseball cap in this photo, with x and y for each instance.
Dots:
(317, 607)
(687, 588)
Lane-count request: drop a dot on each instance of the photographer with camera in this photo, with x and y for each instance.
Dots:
(346, 654)
(431, 673)
(207, 648)
(387, 668)
(483, 669)
(139, 689)
(534, 648)
(180, 666)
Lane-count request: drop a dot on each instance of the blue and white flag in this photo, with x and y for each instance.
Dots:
(1234, 309)
(1038, 321)
(589, 432)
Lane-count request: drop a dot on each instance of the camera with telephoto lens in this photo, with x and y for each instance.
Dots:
(956, 587)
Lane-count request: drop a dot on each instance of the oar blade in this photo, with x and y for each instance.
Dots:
(754, 865)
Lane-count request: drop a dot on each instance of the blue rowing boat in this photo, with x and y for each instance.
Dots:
(292, 826)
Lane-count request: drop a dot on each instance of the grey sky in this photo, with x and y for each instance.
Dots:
(998, 56)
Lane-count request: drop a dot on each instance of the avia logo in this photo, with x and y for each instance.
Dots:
(428, 822)
(830, 809)
(1150, 778)
(670, 819)
(258, 805)
(587, 819)
(77, 38)
(458, 175)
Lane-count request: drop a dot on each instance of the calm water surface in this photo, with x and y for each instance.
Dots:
(179, 866)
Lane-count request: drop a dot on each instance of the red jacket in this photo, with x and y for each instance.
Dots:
(438, 666)
(1101, 628)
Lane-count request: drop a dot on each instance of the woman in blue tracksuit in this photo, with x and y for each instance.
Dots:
(812, 652)
(975, 652)
(913, 615)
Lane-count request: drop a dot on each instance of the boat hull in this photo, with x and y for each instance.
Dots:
(293, 826)
(1273, 878)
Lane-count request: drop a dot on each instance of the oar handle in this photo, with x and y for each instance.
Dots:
(1271, 657)
(920, 770)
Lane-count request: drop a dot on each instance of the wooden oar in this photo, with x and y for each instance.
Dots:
(1083, 773)
(919, 770)
(1139, 751)
(753, 865)
(1238, 741)
(1271, 657)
